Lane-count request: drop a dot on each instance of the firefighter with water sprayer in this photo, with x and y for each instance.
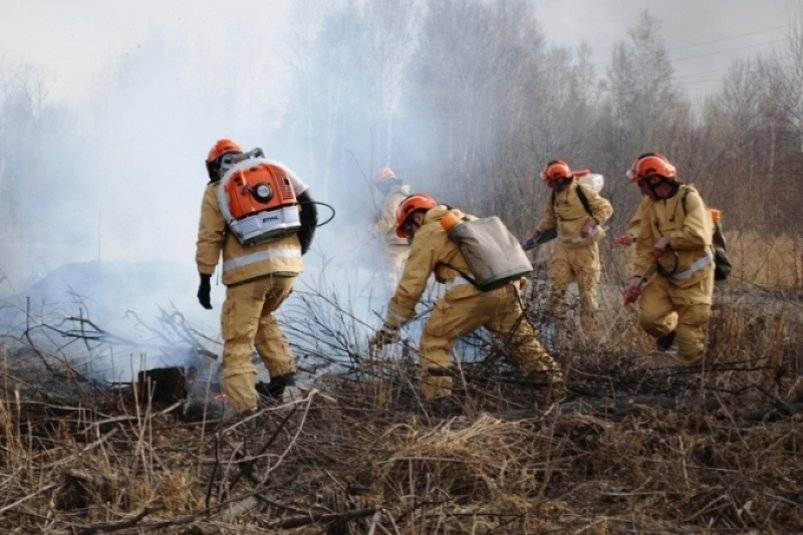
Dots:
(261, 217)
(674, 266)
(577, 212)
(483, 267)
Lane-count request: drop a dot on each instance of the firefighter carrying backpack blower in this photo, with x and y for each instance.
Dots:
(482, 265)
(261, 217)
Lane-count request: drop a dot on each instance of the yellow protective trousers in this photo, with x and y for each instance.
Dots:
(664, 307)
(500, 312)
(580, 264)
(247, 321)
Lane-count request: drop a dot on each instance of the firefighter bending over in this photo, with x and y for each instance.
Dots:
(465, 306)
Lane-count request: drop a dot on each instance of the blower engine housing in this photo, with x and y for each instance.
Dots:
(257, 198)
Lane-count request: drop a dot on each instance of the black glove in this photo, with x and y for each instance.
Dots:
(204, 288)
(309, 220)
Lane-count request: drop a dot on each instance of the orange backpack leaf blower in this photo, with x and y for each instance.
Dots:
(257, 198)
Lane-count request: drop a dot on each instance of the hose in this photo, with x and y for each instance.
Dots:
(319, 203)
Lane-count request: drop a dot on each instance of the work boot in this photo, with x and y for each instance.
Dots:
(664, 343)
(275, 389)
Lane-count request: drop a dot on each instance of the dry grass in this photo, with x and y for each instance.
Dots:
(766, 261)
(640, 445)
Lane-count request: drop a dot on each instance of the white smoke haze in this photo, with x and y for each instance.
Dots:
(107, 111)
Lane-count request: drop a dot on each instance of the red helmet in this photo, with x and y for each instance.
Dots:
(383, 175)
(223, 146)
(413, 203)
(651, 163)
(556, 170)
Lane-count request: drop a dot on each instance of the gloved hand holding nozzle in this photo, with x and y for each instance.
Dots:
(385, 336)
(588, 228)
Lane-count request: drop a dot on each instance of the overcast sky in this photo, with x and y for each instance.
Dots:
(73, 42)
(703, 36)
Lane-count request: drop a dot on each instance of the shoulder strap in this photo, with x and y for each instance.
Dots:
(583, 199)
(552, 199)
(686, 191)
(463, 274)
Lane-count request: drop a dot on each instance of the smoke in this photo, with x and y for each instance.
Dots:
(102, 185)
(102, 141)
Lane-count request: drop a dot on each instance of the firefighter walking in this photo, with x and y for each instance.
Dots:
(462, 309)
(258, 275)
(674, 248)
(577, 212)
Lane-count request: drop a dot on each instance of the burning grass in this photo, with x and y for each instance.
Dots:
(639, 445)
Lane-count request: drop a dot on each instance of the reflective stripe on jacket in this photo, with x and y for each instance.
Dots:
(690, 233)
(240, 263)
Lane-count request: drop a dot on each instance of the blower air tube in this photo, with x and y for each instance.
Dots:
(309, 219)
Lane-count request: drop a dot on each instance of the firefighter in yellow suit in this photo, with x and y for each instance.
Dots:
(258, 279)
(394, 190)
(675, 233)
(461, 310)
(578, 213)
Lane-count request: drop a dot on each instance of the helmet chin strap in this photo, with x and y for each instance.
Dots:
(653, 189)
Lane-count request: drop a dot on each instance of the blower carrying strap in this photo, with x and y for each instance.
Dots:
(580, 195)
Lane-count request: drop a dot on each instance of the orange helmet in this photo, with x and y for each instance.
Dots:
(223, 146)
(413, 203)
(556, 170)
(382, 175)
(651, 163)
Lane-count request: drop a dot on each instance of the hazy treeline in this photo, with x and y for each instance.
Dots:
(38, 192)
(464, 98)
(469, 100)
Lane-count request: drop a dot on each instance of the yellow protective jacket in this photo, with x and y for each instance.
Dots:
(386, 221)
(565, 211)
(690, 231)
(430, 251)
(240, 263)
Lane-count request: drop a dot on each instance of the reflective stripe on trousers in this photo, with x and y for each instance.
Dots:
(696, 266)
(260, 256)
(455, 282)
